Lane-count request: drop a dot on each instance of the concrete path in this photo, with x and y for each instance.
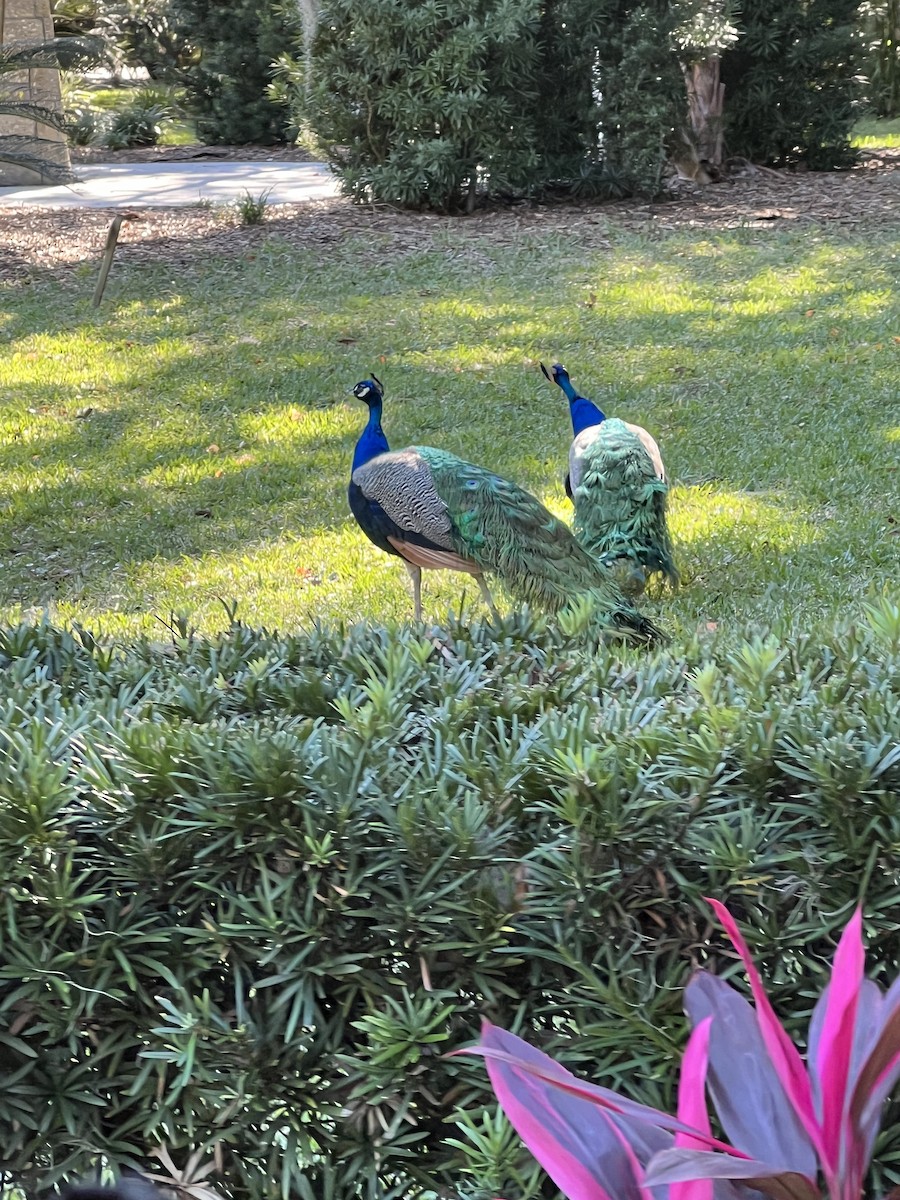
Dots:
(154, 185)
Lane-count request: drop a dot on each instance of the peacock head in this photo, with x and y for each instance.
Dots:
(556, 374)
(584, 412)
(370, 391)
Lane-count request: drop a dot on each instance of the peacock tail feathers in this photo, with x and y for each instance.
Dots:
(620, 502)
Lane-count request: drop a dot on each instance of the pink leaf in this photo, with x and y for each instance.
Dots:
(835, 1046)
(533, 1062)
(692, 1108)
(784, 1055)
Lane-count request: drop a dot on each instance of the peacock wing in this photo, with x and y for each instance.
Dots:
(648, 441)
(580, 444)
(506, 530)
(401, 484)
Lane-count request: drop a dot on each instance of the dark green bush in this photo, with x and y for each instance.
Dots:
(437, 104)
(791, 83)
(254, 886)
(425, 105)
(226, 81)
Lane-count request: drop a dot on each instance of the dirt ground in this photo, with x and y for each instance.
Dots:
(37, 241)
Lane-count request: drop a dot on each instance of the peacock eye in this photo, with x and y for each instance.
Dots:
(471, 484)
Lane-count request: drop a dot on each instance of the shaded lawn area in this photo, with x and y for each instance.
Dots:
(190, 442)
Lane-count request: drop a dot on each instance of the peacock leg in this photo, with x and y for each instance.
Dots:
(486, 596)
(415, 574)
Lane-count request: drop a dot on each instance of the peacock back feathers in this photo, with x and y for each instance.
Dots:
(620, 501)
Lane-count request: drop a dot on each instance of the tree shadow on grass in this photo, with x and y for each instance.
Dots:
(223, 420)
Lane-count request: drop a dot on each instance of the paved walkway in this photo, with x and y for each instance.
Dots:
(148, 185)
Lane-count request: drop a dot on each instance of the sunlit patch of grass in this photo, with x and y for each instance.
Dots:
(190, 442)
(875, 133)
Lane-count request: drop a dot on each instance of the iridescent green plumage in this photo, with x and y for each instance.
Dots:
(620, 502)
(617, 482)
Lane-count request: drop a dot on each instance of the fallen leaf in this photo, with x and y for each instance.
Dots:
(213, 449)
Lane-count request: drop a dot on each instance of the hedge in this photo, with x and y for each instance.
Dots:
(255, 885)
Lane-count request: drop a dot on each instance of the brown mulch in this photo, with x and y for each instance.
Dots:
(35, 241)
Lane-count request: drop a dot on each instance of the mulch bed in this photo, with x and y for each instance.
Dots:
(40, 240)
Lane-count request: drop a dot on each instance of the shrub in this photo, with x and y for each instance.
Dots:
(425, 105)
(227, 83)
(84, 126)
(145, 35)
(790, 83)
(138, 123)
(881, 55)
(254, 885)
(432, 105)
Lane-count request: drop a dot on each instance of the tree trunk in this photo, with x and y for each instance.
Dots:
(706, 101)
(29, 22)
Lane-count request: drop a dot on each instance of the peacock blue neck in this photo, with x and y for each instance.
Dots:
(372, 441)
(584, 412)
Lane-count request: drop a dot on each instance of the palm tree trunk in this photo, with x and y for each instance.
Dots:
(706, 102)
(29, 22)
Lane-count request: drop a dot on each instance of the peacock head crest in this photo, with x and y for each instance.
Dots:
(370, 391)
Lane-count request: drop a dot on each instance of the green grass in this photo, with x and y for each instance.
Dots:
(190, 442)
(877, 133)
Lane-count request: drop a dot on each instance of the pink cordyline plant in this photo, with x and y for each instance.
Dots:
(791, 1127)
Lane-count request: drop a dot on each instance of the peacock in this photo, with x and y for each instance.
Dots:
(434, 510)
(617, 482)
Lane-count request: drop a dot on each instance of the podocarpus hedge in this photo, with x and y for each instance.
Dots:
(254, 886)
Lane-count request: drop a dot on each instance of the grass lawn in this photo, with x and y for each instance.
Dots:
(877, 133)
(190, 441)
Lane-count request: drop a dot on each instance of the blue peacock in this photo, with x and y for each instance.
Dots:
(617, 482)
(436, 511)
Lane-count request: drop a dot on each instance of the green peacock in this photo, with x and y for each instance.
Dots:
(617, 482)
(436, 511)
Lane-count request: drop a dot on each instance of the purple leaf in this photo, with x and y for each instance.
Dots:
(746, 1092)
(673, 1166)
(590, 1153)
(870, 1013)
(877, 1077)
(525, 1058)
(784, 1055)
